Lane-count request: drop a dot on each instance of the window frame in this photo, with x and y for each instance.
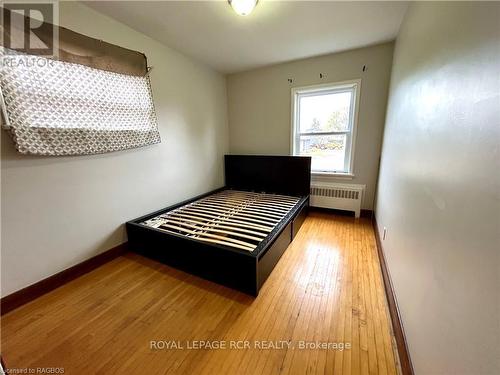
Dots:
(324, 89)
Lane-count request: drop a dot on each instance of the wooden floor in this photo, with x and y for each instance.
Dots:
(327, 288)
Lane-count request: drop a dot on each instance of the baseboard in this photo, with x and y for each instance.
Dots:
(364, 213)
(397, 325)
(28, 294)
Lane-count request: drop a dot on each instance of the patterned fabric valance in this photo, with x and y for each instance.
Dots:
(54, 107)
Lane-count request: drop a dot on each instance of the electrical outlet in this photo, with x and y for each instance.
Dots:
(385, 234)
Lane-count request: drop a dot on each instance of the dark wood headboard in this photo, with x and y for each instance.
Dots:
(289, 175)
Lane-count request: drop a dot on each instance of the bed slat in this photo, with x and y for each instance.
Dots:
(220, 217)
(198, 234)
(216, 223)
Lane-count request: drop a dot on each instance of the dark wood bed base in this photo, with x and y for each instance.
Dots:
(238, 269)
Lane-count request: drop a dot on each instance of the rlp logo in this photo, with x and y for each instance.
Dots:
(29, 28)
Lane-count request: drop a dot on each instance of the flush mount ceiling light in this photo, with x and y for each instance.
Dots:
(243, 7)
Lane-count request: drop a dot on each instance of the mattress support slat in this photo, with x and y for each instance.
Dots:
(251, 206)
(230, 218)
(232, 213)
(280, 205)
(218, 224)
(215, 241)
(192, 232)
(208, 228)
(271, 197)
(236, 222)
(244, 209)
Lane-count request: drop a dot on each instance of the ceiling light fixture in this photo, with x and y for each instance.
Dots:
(243, 7)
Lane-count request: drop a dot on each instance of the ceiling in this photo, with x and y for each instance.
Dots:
(276, 31)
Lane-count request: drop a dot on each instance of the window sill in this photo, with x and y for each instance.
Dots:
(344, 176)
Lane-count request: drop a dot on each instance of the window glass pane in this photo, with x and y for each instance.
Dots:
(327, 151)
(324, 112)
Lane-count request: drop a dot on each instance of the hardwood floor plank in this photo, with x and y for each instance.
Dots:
(327, 288)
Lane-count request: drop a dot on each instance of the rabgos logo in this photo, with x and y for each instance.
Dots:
(29, 28)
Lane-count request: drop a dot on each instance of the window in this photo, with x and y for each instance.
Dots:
(324, 125)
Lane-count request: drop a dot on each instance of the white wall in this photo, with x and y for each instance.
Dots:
(59, 211)
(439, 186)
(259, 105)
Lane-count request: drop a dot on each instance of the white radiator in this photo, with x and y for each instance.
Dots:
(337, 196)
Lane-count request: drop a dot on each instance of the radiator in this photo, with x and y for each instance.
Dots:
(337, 196)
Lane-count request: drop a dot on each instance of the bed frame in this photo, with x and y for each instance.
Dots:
(237, 268)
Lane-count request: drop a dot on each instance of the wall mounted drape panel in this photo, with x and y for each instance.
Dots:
(54, 107)
(88, 97)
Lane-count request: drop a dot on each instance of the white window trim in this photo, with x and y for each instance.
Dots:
(355, 83)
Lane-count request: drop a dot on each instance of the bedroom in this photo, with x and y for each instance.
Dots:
(356, 146)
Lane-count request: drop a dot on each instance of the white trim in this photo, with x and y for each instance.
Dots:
(351, 136)
(355, 124)
(333, 175)
(327, 86)
(360, 187)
